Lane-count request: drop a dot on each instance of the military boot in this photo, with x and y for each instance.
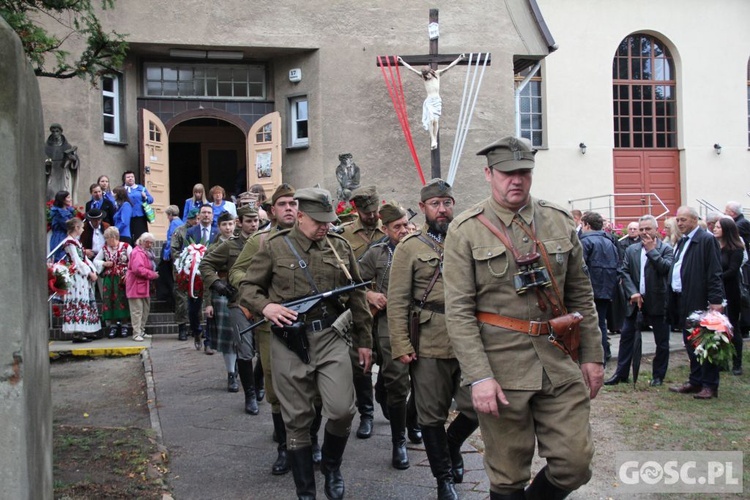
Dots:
(314, 429)
(413, 430)
(182, 331)
(330, 466)
(381, 395)
(365, 405)
(281, 465)
(260, 388)
(399, 458)
(436, 447)
(542, 489)
(232, 385)
(460, 429)
(245, 370)
(303, 472)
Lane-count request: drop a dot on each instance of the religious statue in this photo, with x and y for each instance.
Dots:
(347, 173)
(433, 104)
(61, 163)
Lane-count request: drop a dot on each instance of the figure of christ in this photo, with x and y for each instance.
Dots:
(433, 104)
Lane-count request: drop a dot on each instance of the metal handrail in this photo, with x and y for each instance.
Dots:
(610, 204)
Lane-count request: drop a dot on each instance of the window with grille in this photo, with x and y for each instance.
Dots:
(205, 81)
(530, 107)
(643, 94)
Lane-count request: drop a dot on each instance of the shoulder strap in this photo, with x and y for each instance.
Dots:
(302, 264)
(341, 262)
(430, 243)
(430, 286)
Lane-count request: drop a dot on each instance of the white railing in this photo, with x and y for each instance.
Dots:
(608, 204)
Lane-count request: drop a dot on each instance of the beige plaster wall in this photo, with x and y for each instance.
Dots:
(710, 43)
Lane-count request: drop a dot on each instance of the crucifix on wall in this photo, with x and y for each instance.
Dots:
(432, 106)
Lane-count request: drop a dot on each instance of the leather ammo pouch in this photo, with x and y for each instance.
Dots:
(566, 333)
(294, 337)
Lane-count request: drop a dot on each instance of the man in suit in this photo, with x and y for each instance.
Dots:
(644, 274)
(203, 232)
(695, 282)
(99, 202)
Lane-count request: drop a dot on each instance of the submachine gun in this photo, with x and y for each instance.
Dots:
(294, 336)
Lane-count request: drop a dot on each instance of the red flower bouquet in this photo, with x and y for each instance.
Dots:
(711, 337)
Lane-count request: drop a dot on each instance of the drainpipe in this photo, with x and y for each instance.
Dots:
(517, 95)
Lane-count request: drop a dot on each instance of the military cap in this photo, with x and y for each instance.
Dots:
(436, 188)
(366, 198)
(283, 190)
(316, 203)
(247, 198)
(94, 214)
(509, 154)
(247, 210)
(390, 212)
(193, 213)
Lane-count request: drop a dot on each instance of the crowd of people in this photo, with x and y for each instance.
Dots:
(449, 313)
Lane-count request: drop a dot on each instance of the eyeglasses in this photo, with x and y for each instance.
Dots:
(437, 203)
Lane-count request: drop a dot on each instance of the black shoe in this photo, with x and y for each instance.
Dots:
(460, 429)
(126, 331)
(80, 340)
(260, 394)
(542, 489)
(182, 332)
(232, 385)
(656, 382)
(303, 472)
(615, 379)
(365, 428)
(399, 457)
(281, 465)
(114, 331)
(415, 434)
(251, 404)
(330, 466)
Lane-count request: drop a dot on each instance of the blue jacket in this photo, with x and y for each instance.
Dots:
(166, 250)
(602, 259)
(60, 217)
(189, 205)
(122, 219)
(136, 198)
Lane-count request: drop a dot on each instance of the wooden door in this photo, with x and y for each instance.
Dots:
(155, 161)
(641, 171)
(264, 153)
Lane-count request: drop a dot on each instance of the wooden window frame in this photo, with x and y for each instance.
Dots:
(115, 116)
(531, 94)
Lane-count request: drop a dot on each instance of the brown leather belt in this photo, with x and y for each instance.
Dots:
(533, 328)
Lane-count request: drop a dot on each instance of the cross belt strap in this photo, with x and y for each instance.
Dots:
(532, 328)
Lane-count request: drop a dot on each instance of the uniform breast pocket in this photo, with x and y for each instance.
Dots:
(491, 264)
(429, 261)
(331, 275)
(558, 251)
(285, 271)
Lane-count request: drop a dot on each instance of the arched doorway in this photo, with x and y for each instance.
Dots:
(646, 159)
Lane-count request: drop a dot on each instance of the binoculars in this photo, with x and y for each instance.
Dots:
(530, 275)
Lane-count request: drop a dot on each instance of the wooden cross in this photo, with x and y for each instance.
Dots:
(433, 60)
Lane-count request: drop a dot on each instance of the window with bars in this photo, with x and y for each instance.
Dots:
(205, 81)
(111, 107)
(530, 107)
(643, 94)
(298, 134)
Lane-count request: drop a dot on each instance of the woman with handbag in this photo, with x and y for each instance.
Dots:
(732, 251)
(80, 315)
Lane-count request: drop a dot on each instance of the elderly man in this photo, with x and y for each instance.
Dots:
(417, 323)
(513, 263)
(734, 210)
(631, 238)
(293, 264)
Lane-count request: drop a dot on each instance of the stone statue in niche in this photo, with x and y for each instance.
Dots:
(347, 173)
(61, 163)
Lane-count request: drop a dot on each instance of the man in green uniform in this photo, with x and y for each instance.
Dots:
(375, 265)
(416, 291)
(525, 387)
(361, 233)
(283, 210)
(293, 264)
(214, 268)
(177, 243)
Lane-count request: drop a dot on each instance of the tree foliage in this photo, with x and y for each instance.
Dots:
(103, 54)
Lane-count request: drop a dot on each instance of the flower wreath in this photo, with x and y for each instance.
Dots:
(188, 275)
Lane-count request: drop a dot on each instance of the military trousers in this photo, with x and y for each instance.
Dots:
(436, 383)
(243, 343)
(554, 418)
(263, 344)
(395, 373)
(329, 374)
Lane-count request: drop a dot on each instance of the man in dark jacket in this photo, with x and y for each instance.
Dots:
(644, 274)
(734, 210)
(695, 281)
(602, 260)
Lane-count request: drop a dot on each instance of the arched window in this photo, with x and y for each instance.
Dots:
(643, 91)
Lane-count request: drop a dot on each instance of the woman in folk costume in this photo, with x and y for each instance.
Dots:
(112, 264)
(80, 316)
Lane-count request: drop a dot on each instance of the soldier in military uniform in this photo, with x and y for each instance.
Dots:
(416, 288)
(375, 265)
(361, 233)
(214, 268)
(525, 387)
(283, 211)
(177, 243)
(293, 264)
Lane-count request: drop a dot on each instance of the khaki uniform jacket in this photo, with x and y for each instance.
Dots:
(412, 269)
(479, 272)
(275, 276)
(359, 237)
(252, 245)
(177, 243)
(219, 258)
